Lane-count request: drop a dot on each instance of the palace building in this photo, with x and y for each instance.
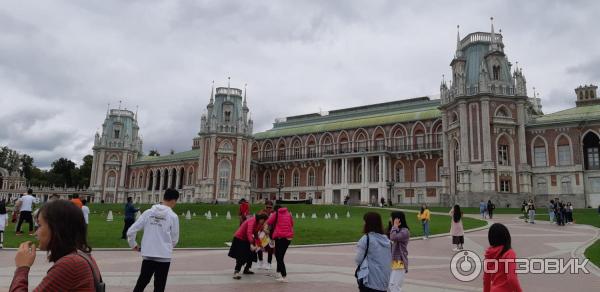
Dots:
(484, 138)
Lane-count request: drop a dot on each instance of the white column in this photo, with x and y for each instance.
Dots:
(200, 171)
(123, 168)
(521, 141)
(211, 156)
(100, 173)
(464, 138)
(178, 178)
(238, 158)
(487, 140)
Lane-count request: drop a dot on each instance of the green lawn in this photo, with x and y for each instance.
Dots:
(584, 216)
(201, 232)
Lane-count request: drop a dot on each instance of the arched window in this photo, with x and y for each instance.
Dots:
(267, 182)
(496, 72)
(150, 180)
(190, 179)
(420, 171)
(173, 178)
(140, 181)
(539, 152)
(327, 145)
(132, 181)
(281, 150)
(157, 185)
(224, 174)
(563, 149)
(502, 112)
(591, 150)
(225, 147)
(296, 179)
(361, 143)
(399, 139)
(503, 151)
(343, 144)
(399, 172)
(111, 180)
(181, 177)
(297, 148)
(254, 152)
(281, 178)
(312, 149)
(419, 139)
(268, 152)
(311, 177)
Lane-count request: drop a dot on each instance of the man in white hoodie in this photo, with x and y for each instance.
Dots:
(161, 233)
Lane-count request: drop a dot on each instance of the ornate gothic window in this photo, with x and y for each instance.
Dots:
(496, 72)
(539, 155)
(296, 179)
(503, 155)
(420, 172)
(399, 173)
(311, 177)
(111, 180)
(224, 174)
(267, 183)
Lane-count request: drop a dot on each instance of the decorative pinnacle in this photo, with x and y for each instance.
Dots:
(212, 92)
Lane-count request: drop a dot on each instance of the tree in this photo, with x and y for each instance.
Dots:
(153, 152)
(9, 159)
(63, 169)
(85, 170)
(27, 166)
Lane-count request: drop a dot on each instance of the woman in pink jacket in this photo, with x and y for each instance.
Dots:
(500, 275)
(282, 231)
(243, 248)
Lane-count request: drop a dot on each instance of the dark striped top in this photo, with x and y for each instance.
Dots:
(70, 273)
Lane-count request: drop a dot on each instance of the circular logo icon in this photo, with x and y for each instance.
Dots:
(465, 266)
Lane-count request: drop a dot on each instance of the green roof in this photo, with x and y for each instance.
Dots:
(362, 117)
(576, 114)
(186, 155)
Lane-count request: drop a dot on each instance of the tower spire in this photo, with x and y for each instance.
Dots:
(136, 111)
(107, 109)
(228, 86)
(492, 33)
(245, 93)
(212, 92)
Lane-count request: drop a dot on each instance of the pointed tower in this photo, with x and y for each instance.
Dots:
(118, 146)
(224, 141)
(484, 114)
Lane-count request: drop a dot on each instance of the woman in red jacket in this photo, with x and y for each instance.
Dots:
(243, 248)
(282, 232)
(504, 279)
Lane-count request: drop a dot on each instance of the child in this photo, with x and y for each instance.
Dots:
(3, 221)
(86, 211)
(161, 234)
(504, 279)
(269, 247)
(399, 235)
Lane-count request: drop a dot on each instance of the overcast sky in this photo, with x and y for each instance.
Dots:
(61, 62)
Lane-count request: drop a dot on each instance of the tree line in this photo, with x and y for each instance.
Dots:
(62, 172)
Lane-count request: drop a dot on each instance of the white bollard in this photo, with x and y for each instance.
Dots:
(194, 215)
(297, 216)
(188, 215)
(303, 216)
(348, 214)
(335, 216)
(314, 215)
(109, 217)
(228, 216)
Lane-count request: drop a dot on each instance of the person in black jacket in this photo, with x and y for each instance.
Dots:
(130, 211)
(490, 208)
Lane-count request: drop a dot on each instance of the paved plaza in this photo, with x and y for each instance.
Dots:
(331, 268)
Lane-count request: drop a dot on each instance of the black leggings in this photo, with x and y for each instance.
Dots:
(160, 271)
(269, 258)
(25, 216)
(281, 246)
(240, 262)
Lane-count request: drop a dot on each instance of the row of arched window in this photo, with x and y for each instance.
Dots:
(161, 179)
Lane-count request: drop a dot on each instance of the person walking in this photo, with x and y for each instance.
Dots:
(161, 234)
(130, 211)
(76, 200)
(524, 210)
(373, 256)
(283, 233)
(500, 275)
(243, 244)
(27, 203)
(86, 211)
(551, 211)
(569, 213)
(490, 209)
(399, 234)
(244, 210)
(62, 234)
(531, 211)
(482, 208)
(456, 228)
(3, 221)
(268, 210)
(424, 216)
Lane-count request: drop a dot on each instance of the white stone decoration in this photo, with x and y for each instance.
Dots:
(347, 214)
(335, 216)
(297, 216)
(228, 216)
(303, 216)
(109, 217)
(209, 215)
(188, 215)
(314, 216)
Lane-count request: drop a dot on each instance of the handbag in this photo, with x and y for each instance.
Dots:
(363, 259)
(98, 284)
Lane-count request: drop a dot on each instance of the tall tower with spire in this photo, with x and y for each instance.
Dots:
(224, 141)
(484, 112)
(114, 149)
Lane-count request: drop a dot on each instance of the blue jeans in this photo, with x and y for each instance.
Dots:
(425, 228)
(551, 213)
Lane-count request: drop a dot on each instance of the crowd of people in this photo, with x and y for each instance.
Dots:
(382, 254)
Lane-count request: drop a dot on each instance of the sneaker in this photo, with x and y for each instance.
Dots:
(237, 276)
(282, 280)
(1, 246)
(425, 238)
(31, 233)
(455, 249)
(268, 266)
(19, 233)
(261, 265)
